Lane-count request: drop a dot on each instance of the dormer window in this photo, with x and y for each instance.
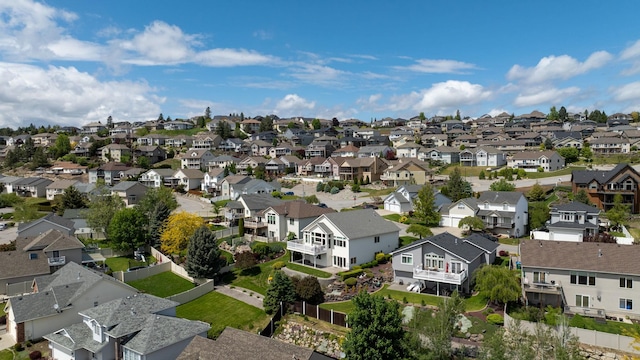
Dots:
(505, 206)
(33, 256)
(486, 205)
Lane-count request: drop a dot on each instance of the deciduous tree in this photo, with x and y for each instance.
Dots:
(376, 330)
(439, 326)
(497, 283)
(538, 214)
(472, 223)
(308, 289)
(420, 231)
(102, 207)
(127, 229)
(502, 185)
(203, 254)
(618, 213)
(536, 193)
(280, 290)
(177, 231)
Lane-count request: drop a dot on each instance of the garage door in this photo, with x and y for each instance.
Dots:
(392, 207)
(455, 221)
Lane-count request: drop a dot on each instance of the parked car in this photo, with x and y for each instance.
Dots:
(369, 206)
(322, 205)
(289, 193)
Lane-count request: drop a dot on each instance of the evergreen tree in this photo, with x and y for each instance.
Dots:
(582, 197)
(457, 187)
(553, 114)
(160, 117)
(207, 113)
(280, 290)
(562, 114)
(536, 193)
(109, 122)
(72, 199)
(458, 115)
(61, 147)
(203, 254)
(425, 206)
(376, 330)
(502, 185)
(157, 220)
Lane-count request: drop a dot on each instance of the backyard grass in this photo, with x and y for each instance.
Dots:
(480, 327)
(254, 279)
(308, 270)
(407, 239)
(565, 171)
(122, 263)
(465, 170)
(474, 303)
(222, 203)
(509, 241)
(611, 327)
(162, 285)
(174, 163)
(228, 256)
(221, 311)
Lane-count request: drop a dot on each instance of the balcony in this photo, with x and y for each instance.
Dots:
(499, 225)
(255, 224)
(440, 276)
(56, 261)
(302, 247)
(543, 288)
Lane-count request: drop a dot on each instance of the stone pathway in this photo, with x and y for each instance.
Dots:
(242, 294)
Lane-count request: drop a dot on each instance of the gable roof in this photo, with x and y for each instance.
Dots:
(576, 206)
(192, 173)
(466, 250)
(53, 240)
(118, 311)
(500, 197)
(61, 288)
(234, 344)
(49, 218)
(299, 209)
(602, 177)
(126, 185)
(259, 201)
(360, 223)
(587, 256)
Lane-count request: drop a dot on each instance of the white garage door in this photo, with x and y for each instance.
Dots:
(455, 221)
(392, 207)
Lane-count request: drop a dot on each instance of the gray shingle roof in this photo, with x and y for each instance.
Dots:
(53, 240)
(117, 311)
(361, 223)
(602, 177)
(585, 256)
(482, 242)
(499, 197)
(155, 332)
(576, 206)
(50, 218)
(260, 201)
(76, 337)
(466, 249)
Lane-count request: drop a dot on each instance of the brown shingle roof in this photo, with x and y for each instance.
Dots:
(586, 256)
(300, 210)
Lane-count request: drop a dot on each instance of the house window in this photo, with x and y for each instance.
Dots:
(626, 283)
(583, 278)
(339, 261)
(505, 206)
(567, 217)
(434, 261)
(593, 186)
(582, 301)
(129, 355)
(460, 206)
(486, 205)
(318, 237)
(626, 304)
(353, 261)
(340, 243)
(406, 259)
(376, 239)
(33, 256)
(271, 219)
(291, 221)
(539, 277)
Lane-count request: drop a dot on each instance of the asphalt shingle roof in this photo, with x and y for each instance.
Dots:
(361, 223)
(499, 197)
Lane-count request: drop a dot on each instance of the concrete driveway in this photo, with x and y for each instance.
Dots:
(8, 235)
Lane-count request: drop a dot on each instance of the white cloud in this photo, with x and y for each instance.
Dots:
(441, 66)
(557, 67)
(318, 74)
(263, 35)
(161, 43)
(450, 94)
(494, 112)
(232, 57)
(368, 101)
(631, 52)
(64, 95)
(545, 96)
(294, 104)
(364, 56)
(628, 92)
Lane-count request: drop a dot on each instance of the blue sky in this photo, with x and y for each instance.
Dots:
(71, 62)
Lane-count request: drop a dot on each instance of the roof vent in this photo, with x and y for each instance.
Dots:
(599, 252)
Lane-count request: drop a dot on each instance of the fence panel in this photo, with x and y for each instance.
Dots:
(189, 295)
(340, 319)
(272, 325)
(324, 315)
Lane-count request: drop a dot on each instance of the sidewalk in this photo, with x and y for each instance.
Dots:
(5, 340)
(241, 294)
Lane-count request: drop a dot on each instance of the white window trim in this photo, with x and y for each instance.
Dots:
(406, 259)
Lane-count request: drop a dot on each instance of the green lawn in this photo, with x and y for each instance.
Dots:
(227, 255)
(221, 311)
(407, 239)
(377, 192)
(254, 279)
(465, 170)
(474, 303)
(309, 270)
(611, 327)
(162, 285)
(509, 241)
(393, 217)
(122, 263)
(565, 171)
(174, 163)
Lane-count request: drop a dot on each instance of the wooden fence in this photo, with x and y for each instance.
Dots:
(316, 312)
(273, 323)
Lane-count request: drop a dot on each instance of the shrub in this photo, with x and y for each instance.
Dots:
(356, 267)
(335, 190)
(381, 258)
(351, 282)
(319, 187)
(35, 355)
(327, 188)
(481, 176)
(277, 247)
(18, 347)
(355, 188)
(351, 274)
(261, 249)
(540, 169)
(403, 219)
(278, 265)
(503, 253)
(369, 264)
(495, 319)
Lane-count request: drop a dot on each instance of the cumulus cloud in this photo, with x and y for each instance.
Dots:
(370, 100)
(557, 67)
(294, 104)
(545, 96)
(162, 43)
(441, 66)
(64, 95)
(452, 93)
(628, 92)
(632, 55)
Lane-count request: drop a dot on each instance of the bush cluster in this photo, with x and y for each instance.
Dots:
(350, 274)
(278, 265)
(369, 264)
(351, 282)
(495, 319)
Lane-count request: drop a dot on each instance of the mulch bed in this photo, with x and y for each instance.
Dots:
(497, 309)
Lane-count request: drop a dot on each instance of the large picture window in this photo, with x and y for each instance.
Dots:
(583, 278)
(432, 261)
(626, 304)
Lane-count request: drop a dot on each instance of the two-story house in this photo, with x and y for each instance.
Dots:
(587, 278)
(368, 168)
(344, 239)
(502, 212)
(211, 181)
(574, 221)
(57, 298)
(58, 187)
(131, 192)
(531, 161)
(485, 156)
(152, 153)
(114, 152)
(156, 178)
(191, 179)
(139, 326)
(195, 159)
(32, 187)
(401, 200)
(444, 154)
(443, 262)
(110, 173)
(405, 172)
(602, 186)
(279, 222)
(610, 145)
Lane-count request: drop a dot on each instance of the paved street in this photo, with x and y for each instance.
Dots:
(194, 205)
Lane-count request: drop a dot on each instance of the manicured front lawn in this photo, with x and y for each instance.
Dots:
(221, 311)
(122, 263)
(309, 270)
(162, 285)
(465, 170)
(393, 217)
(565, 171)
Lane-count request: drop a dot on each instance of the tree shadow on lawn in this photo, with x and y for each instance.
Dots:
(232, 276)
